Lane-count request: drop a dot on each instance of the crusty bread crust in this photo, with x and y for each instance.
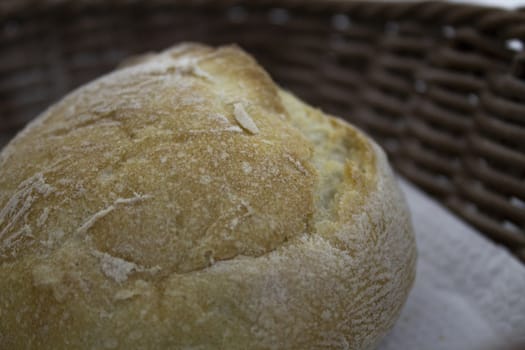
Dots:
(184, 201)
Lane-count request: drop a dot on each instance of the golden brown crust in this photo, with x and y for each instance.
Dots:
(184, 201)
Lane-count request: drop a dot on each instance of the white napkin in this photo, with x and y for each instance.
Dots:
(509, 4)
(469, 293)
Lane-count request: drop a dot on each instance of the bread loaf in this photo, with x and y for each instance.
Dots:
(184, 201)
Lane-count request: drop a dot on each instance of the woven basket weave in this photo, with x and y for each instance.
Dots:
(440, 86)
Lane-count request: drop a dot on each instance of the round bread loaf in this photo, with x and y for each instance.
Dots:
(184, 201)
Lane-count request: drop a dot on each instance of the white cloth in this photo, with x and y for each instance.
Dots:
(509, 4)
(469, 294)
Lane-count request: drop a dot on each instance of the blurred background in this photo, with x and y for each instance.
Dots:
(440, 85)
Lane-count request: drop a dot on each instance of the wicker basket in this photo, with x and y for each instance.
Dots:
(440, 86)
